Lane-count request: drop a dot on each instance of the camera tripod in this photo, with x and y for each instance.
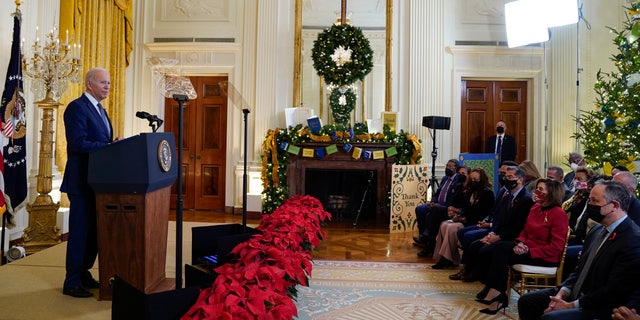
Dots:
(370, 176)
(433, 180)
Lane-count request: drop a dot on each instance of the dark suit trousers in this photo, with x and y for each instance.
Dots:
(434, 218)
(493, 267)
(469, 234)
(531, 306)
(82, 244)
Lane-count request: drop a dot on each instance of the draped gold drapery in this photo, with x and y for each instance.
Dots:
(104, 29)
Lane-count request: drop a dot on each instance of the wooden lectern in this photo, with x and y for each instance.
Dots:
(132, 180)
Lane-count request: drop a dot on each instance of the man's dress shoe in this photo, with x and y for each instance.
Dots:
(77, 292)
(90, 283)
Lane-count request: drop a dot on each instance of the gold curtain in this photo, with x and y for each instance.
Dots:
(104, 29)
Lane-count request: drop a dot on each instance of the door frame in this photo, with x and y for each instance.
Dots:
(504, 64)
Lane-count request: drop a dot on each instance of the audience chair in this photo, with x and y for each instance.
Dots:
(524, 277)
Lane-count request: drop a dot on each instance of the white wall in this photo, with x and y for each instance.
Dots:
(424, 77)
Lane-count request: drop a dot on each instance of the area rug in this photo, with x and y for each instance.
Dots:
(388, 290)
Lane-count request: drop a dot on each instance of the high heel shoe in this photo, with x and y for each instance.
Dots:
(501, 299)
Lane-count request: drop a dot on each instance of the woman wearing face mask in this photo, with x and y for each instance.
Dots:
(576, 204)
(477, 199)
(541, 243)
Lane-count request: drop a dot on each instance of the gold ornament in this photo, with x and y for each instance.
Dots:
(609, 137)
(622, 121)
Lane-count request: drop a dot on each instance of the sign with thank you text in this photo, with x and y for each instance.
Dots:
(409, 184)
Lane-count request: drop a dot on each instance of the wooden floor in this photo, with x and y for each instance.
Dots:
(368, 240)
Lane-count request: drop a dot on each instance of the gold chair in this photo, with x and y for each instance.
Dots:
(524, 277)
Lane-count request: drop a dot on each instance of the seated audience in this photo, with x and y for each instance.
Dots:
(436, 209)
(607, 274)
(510, 215)
(618, 168)
(478, 199)
(630, 181)
(531, 175)
(556, 173)
(540, 243)
(575, 160)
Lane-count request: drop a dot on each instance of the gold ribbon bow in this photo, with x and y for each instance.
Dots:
(270, 146)
(417, 149)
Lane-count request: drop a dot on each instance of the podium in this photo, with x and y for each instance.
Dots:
(132, 180)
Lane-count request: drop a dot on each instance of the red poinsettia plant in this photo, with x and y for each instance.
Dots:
(261, 283)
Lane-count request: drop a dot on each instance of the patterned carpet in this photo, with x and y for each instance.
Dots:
(388, 290)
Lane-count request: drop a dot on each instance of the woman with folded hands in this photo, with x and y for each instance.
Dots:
(540, 243)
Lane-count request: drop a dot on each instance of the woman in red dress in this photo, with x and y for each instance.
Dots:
(540, 243)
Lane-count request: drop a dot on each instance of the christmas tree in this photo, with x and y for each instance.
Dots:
(609, 133)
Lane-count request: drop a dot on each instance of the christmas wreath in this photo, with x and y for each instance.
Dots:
(342, 101)
(342, 55)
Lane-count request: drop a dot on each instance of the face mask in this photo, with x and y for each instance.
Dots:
(500, 130)
(448, 172)
(593, 212)
(574, 166)
(541, 197)
(462, 178)
(510, 184)
(501, 179)
(474, 184)
(579, 185)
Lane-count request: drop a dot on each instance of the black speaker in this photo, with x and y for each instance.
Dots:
(435, 122)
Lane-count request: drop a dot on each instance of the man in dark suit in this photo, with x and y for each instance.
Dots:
(607, 272)
(631, 182)
(502, 143)
(430, 215)
(87, 128)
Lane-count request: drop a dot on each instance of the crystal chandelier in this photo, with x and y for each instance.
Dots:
(52, 66)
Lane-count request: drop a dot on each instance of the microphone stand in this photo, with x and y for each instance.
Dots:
(433, 181)
(181, 99)
(245, 112)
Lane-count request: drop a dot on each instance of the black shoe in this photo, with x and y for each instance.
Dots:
(482, 294)
(90, 283)
(77, 292)
(420, 241)
(425, 253)
(501, 303)
(443, 263)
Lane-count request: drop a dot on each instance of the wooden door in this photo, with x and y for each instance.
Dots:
(204, 145)
(486, 102)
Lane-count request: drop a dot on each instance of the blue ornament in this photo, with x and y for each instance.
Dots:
(607, 123)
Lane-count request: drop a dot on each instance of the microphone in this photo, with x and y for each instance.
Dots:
(152, 118)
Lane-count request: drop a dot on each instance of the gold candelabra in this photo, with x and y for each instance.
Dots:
(52, 66)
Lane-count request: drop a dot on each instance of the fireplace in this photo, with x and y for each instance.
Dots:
(342, 192)
(339, 174)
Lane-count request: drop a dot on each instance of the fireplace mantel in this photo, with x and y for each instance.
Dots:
(296, 170)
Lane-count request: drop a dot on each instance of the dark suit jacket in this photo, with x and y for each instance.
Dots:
(509, 219)
(634, 211)
(85, 132)
(614, 272)
(451, 193)
(508, 147)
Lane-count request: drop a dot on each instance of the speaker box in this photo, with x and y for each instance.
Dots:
(435, 122)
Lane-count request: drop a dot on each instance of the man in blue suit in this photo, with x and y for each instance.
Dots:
(87, 128)
(607, 273)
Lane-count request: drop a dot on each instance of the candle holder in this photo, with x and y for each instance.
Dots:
(52, 66)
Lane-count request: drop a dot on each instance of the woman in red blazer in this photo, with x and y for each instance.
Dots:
(541, 243)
